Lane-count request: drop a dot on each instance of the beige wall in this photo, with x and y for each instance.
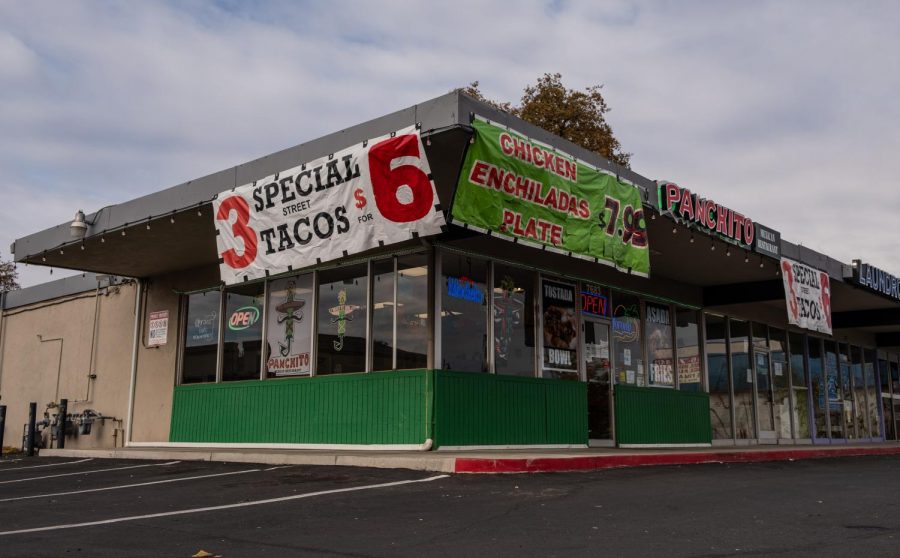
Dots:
(32, 364)
(156, 367)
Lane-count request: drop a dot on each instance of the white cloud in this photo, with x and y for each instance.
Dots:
(786, 111)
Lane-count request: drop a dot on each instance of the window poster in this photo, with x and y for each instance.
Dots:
(659, 345)
(626, 334)
(289, 327)
(560, 329)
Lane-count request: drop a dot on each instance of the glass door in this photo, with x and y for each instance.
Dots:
(764, 396)
(834, 393)
(598, 374)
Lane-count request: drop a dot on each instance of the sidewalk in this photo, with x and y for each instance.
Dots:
(498, 461)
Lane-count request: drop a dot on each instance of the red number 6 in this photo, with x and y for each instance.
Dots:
(386, 182)
(240, 229)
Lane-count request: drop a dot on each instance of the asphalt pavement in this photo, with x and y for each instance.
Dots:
(100, 507)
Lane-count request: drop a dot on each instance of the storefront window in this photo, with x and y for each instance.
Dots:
(781, 390)
(821, 386)
(201, 344)
(687, 346)
(289, 326)
(800, 409)
(742, 379)
(463, 313)
(241, 356)
(887, 403)
(342, 314)
(383, 315)
(626, 325)
(412, 311)
(872, 391)
(659, 345)
(513, 321)
(833, 386)
(560, 330)
(895, 388)
(717, 369)
(860, 406)
(846, 378)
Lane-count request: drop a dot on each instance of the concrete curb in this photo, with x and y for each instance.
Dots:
(418, 462)
(435, 461)
(591, 463)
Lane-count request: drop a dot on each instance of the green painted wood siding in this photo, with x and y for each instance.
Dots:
(661, 416)
(377, 408)
(488, 409)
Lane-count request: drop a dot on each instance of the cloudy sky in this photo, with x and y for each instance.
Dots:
(787, 111)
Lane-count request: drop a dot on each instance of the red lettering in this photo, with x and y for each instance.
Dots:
(505, 144)
(479, 169)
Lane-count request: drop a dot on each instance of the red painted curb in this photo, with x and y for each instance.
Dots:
(588, 463)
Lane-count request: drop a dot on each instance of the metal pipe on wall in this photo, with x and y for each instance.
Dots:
(138, 299)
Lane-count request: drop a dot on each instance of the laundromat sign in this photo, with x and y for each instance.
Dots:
(705, 214)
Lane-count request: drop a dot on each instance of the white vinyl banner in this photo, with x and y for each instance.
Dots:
(807, 293)
(372, 194)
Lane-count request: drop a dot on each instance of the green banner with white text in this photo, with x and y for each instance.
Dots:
(526, 191)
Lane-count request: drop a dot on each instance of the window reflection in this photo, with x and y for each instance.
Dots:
(687, 345)
(342, 314)
(412, 311)
(201, 343)
(800, 401)
(626, 325)
(717, 368)
(742, 379)
(383, 314)
(463, 313)
(241, 357)
(513, 321)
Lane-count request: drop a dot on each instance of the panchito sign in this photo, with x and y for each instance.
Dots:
(807, 292)
(876, 279)
(375, 193)
(525, 191)
(705, 214)
(288, 330)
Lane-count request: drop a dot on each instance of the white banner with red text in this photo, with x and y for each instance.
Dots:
(373, 194)
(807, 292)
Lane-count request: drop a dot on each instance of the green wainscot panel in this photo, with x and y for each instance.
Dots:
(476, 409)
(661, 416)
(377, 408)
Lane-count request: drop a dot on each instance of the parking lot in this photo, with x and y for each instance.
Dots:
(97, 507)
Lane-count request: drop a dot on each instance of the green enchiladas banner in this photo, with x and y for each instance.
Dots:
(526, 191)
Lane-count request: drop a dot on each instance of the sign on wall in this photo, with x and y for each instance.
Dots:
(158, 330)
(705, 214)
(876, 279)
(767, 242)
(375, 193)
(526, 191)
(560, 326)
(807, 293)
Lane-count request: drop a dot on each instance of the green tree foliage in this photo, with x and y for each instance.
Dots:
(578, 116)
(8, 276)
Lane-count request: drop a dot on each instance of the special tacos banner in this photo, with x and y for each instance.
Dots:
(808, 296)
(372, 194)
(526, 191)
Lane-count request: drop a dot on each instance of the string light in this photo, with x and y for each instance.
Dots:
(692, 238)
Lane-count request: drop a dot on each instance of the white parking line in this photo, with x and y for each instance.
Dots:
(50, 464)
(90, 472)
(127, 485)
(281, 467)
(217, 508)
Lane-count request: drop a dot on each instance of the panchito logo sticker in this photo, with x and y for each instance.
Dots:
(243, 317)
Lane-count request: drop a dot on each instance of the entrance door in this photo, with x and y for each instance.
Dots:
(764, 396)
(598, 373)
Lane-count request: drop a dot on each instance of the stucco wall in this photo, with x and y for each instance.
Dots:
(156, 366)
(52, 340)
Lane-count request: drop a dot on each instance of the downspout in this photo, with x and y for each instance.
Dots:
(59, 362)
(138, 299)
(2, 336)
(91, 372)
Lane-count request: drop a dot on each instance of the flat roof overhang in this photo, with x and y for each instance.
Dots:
(173, 230)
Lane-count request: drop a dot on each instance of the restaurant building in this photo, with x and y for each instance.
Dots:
(445, 276)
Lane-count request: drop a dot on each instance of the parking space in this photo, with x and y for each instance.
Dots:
(97, 507)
